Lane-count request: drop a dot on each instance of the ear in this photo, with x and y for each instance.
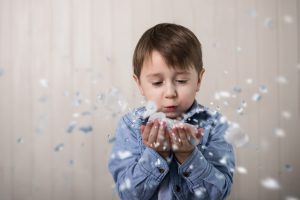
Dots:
(138, 83)
(200, 75)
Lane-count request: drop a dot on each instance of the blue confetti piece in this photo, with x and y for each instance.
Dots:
(71, 127)
(59, 147)
(1, 72)
(86, 129)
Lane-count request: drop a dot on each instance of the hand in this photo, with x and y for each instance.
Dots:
(184, 138)
(155, 135)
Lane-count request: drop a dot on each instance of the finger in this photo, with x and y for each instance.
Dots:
(184, 136)
(167, 134)
(153, 134)
(192, 132)
(191, 129)
(200, 133)
(167, 142)
(195, 137)
(182, 132)
(146, 132)
(142, 128)
(174, 139)
(161, 132)
(162, 137)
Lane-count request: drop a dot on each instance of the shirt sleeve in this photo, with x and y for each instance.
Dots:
(208, 171)
(136, 170)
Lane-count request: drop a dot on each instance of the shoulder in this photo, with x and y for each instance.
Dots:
(204, 116)
(215, 121)
(214, 124)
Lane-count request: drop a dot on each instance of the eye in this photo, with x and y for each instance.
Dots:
(157, 83)
(181, 81)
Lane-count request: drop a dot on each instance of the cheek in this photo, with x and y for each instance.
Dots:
(188, 92)
(152, 94)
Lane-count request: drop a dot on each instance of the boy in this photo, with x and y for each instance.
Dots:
(153, 160)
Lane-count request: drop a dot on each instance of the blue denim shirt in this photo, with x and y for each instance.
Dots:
(141, 173)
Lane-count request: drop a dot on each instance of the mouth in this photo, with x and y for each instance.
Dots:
(168, 109)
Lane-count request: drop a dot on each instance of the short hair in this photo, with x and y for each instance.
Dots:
(177, 44)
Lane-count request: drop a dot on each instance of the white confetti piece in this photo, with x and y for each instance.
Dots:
(157, 116)
(222, 94)
(151, 108)
(288, 19)
(241, 170)
(270, 183)
(223, 160)
(240, 111)
(44, 83)
(244, 104)
(157, 163)
(278, 132)
(252, 13)
(286, 114)
(124, 154)
(281, 79)
(235, 136)
(75, 115)
(200, 192)
(125, 185)
(220, 176)
(291, 198)
(249, 81)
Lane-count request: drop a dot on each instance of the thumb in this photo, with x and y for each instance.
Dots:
(199, 133)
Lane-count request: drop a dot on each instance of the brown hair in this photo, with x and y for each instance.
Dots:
(177, 44)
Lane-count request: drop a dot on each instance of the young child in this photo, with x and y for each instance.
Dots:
(183, 156)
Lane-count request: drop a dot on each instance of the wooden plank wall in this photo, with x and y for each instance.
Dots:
(57, 56)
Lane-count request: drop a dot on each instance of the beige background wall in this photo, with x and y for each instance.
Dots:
(57, 55)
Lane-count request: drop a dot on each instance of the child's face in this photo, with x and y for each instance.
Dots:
(172, 89)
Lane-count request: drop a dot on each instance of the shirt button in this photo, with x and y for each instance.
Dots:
(186, 174)
(161, 170)
(177, 188)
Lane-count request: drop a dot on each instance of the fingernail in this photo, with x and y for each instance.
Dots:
(161, 126)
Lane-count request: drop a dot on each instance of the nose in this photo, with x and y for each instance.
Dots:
(170, 91)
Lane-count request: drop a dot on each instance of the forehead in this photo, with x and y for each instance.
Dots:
(156, 63)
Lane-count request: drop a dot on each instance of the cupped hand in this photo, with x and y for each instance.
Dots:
(184, 139)
(155, 135)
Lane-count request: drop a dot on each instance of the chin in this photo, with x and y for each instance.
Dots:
(172, 115)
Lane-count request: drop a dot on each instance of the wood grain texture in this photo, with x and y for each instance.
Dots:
(56, 56)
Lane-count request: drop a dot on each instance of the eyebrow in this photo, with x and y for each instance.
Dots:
(177, 73)
(153, 75)
(183, 72)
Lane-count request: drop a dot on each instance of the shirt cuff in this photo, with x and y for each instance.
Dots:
(154, 164)
(195, 167)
